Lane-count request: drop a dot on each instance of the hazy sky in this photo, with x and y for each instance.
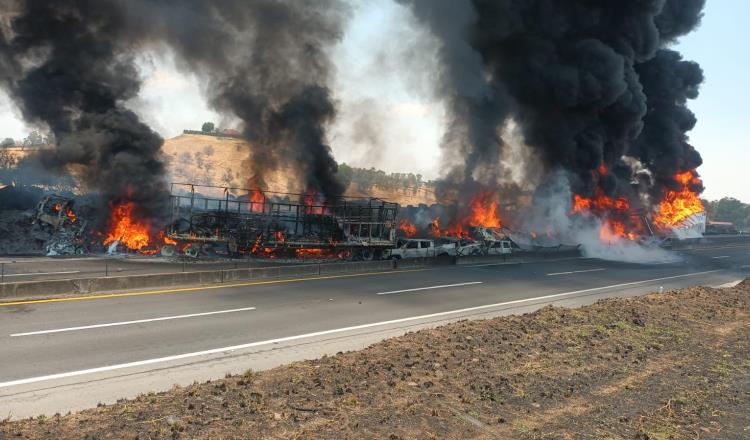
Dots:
(387, 118)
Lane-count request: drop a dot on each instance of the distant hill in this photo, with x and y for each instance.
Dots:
(223, 161)
(219, 160)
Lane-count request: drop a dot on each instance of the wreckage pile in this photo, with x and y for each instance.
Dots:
(34, 223)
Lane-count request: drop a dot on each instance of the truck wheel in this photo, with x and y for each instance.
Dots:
(168, 251)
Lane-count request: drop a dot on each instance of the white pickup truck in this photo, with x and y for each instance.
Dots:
(498, 247)
(441, 247)
(421, 248)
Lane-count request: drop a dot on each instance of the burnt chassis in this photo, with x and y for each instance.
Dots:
(363, 228)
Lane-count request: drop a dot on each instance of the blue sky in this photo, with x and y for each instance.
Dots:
(720, 46)
(380, 82)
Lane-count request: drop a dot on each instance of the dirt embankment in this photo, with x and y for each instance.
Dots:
(662, 366)
(222, 161)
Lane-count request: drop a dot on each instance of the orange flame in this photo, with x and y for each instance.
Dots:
(600, 202)
(123, 227)
(71, 215)
(310, 207)
(613, 230)
(407, 228)
(323, 253)
(679, 205)
(483, 212)
(279, 235)
(165, 239)
(257, 200)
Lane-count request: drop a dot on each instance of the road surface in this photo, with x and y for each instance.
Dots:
(63, 354)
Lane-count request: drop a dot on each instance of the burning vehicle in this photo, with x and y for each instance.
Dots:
(208, 219)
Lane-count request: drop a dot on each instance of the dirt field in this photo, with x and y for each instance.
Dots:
(663, 366)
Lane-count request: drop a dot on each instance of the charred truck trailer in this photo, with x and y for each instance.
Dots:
(250, 221)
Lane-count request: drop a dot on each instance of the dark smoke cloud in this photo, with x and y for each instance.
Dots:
(70, 65)
(663, 146)
(66, 66)
(266, 63)
(581, 78)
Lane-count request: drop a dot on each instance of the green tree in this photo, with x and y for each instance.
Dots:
(208, 127)
(7, 143)
(732, 210)
(33, 139)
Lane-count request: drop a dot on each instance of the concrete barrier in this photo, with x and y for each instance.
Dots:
(37, 288)
(361, 266)
(419, 263)
(75, 286)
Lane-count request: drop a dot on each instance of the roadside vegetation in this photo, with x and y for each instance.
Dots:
(662, 366)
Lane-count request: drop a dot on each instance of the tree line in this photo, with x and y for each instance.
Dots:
(367, 178)
(729, 209)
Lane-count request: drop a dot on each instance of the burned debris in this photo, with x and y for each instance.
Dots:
(56, 225)
(278, 225)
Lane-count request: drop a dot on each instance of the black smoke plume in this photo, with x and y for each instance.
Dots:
(70, 65)
(264, 62)
(67, 65)
(590, 84)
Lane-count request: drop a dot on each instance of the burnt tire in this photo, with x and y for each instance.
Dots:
(168, 251)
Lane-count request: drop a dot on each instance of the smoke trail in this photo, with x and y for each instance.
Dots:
(266, 63)
(571, 74)
(66, 67)
(668, 82)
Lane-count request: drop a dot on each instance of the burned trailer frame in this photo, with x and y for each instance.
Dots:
(255, 222)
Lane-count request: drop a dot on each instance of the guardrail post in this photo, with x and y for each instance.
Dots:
(2, 278)
(318, 269)
(106, 269)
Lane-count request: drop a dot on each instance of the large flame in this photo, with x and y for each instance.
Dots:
(483, 212)
(407, 228)
(600, 203)
(257, 200)
(613, 230)
(125, 228)
(679, 205)
(311, 207)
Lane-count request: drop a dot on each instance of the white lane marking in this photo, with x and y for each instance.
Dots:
(429, 288)
(721, 256)
(747, 265)
(321, 333)
(574, 271)
(139, 321)
(511, 262)
(40, 273)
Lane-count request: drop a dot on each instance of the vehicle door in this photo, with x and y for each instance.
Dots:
(426, 249)
(411, 250)
(506, 247)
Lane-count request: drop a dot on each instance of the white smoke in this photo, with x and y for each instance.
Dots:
(550, 211)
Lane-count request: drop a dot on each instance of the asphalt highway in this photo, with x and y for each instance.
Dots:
(66, 350)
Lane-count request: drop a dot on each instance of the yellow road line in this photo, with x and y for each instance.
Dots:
(195, 289)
